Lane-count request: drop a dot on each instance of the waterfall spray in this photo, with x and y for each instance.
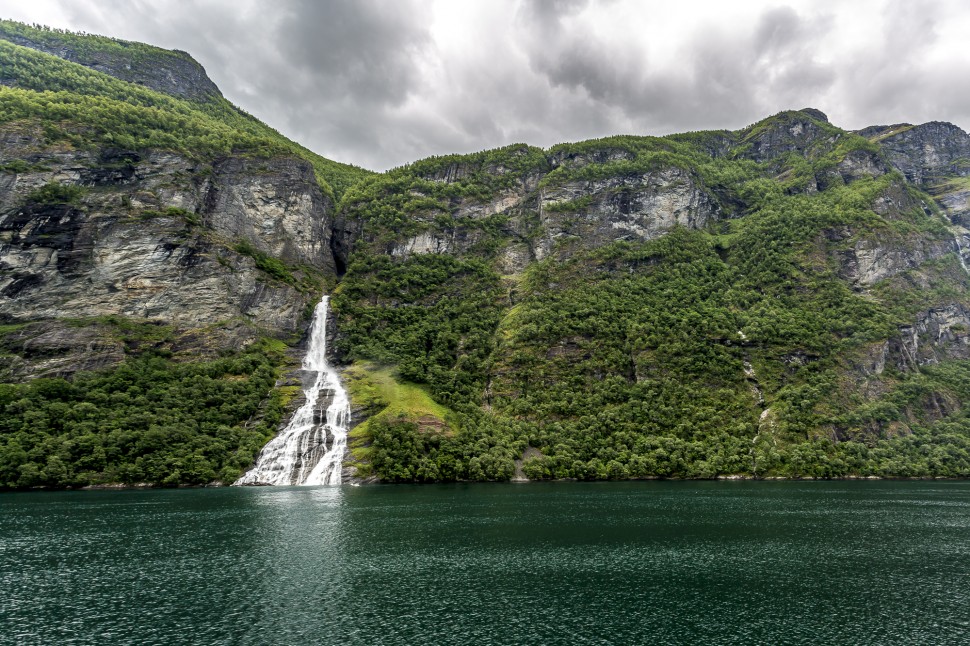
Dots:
(310, 450)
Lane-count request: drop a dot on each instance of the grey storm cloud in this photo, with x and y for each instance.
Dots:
(365, 48)
(382, 82)
(719, 72)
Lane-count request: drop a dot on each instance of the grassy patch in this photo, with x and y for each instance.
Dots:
(384, 398)
(892, 132)
(265, 263)
(951, 185)
(191, 218)
(378, 390)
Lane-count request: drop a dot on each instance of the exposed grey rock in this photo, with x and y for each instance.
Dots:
(791, 132)
(276, 204)
(937, 334)
(153, 237)
(870, 261)
(924, 153)
(956, 201)
(897, 202)
(636, 208)
(860, 164)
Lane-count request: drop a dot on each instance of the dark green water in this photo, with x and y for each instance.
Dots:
(564, 563)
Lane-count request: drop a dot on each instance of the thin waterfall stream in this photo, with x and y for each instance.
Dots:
(963, 262)
(310, 450)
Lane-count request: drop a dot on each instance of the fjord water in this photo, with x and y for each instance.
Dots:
(562, 563)
(300, 455)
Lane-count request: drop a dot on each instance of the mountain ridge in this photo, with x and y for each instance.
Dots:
(785, 300)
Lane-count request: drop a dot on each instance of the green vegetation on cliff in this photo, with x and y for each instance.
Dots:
(729, 348)
(84, 107)
(779, 301)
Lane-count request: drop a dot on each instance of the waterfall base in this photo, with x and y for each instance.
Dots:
(310, 450)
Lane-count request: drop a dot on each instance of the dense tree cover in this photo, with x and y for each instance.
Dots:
(149, 420)
(431, 315)
(85, 107)
(702, 353)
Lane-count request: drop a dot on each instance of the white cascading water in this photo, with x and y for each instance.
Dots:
(300, 454)
(963, 262)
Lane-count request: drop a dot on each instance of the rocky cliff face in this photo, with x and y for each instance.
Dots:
(686, 305)
(548, 208)
(172, 72)
(634, 208)
(935, 156)
(869, 261)
(232, 247)
(797, 132)
(936, 335)
(926, 153)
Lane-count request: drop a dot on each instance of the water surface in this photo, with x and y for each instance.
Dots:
(563, 563)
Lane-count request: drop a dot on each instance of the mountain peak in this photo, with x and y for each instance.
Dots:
(815, 114)
(172, 72)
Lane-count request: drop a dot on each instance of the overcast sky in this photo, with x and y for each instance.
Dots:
(381, 82)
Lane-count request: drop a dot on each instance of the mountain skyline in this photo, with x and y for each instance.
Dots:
(381, 84)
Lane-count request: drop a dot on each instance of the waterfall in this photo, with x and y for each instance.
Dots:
(963, 262)
(299, 455)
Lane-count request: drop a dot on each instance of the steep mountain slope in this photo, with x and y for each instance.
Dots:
(162, 208)
(170, 72)
(782, 300)
(136, 223)
(790, 299)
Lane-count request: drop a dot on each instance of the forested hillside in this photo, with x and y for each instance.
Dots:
(159, 249)
(786, 300)
(778, 301)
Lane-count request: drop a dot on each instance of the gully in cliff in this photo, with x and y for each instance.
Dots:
(310, 450)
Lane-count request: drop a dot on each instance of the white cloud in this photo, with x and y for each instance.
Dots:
(382, 82)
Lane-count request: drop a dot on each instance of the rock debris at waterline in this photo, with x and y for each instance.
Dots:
(310, 450)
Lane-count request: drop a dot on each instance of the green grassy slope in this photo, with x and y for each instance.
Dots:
(91, 108)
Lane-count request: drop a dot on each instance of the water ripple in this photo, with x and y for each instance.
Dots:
(727, 563)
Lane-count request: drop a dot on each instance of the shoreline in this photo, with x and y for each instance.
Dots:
(143, 486)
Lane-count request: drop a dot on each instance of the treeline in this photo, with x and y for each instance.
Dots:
(150, 420)
(487, 448)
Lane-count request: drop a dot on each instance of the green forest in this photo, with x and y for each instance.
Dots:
(151, 420)
(743, 347)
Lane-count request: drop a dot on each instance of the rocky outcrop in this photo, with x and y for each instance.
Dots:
(926, 153)
(275, 203)
(153, 235)
(936, 335)
(170, 71)
(450, 219)
(870, 261)
(860, 164)
(955, 200)
(543, 214)
(634, 208)
(788, 132)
